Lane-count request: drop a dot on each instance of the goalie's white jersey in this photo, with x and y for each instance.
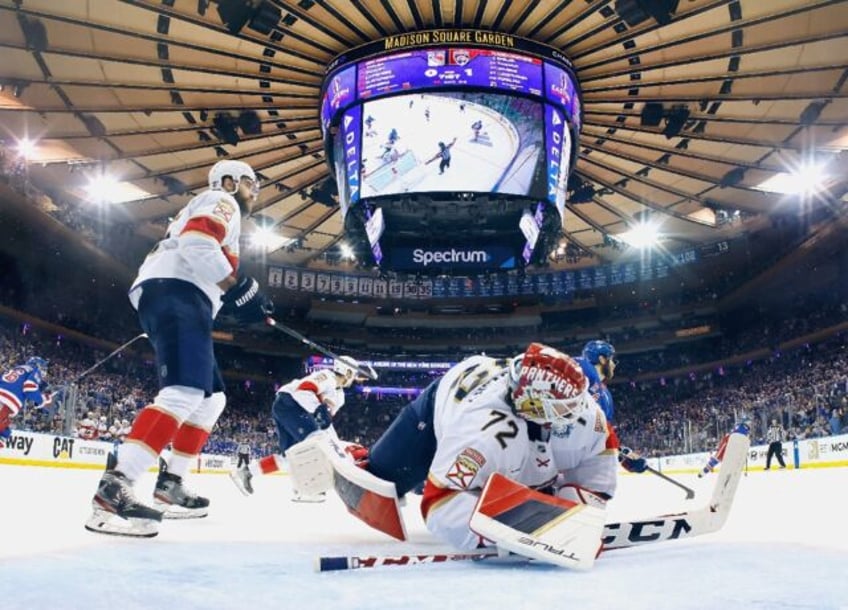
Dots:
(201, 246)
(586, 454)
(477, 434)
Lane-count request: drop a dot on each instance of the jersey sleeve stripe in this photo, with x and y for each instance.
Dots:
(206, 225)
(10, 400)
(308, 386)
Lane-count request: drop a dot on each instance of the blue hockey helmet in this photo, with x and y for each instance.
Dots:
(593, 351)
(37, 362)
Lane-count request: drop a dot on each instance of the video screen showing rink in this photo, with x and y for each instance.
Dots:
(452, 141)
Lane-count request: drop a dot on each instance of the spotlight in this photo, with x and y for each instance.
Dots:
(675, 119)
(250, 123)
(652, 114)
(225, 128)
(18, 88)
(26, 148)
(102, 188)
(634, 12)
(262, 15)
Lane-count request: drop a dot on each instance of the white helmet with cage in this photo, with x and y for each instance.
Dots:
(235, 170)
(548, 386)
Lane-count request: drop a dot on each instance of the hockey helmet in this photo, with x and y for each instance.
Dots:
(38, 363)
(548, 386)
(235, 170)
(345, 367)
(593, 351)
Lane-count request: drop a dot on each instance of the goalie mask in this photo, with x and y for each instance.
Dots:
(548, 387)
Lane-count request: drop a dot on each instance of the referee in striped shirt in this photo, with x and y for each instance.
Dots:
(775, 437)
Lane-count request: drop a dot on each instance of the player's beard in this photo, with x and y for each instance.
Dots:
(245, 203)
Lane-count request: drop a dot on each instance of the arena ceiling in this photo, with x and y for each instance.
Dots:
(740, 91)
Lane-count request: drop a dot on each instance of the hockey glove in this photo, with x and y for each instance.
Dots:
(358, 453)
(246, 302)
(631, 461)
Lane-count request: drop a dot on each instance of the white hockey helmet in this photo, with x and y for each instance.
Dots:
(345, 366)
(235, 170)
(548, 387)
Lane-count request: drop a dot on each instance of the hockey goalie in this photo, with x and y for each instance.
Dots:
(484, 441)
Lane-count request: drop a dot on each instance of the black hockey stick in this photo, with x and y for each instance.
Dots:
(690, 493)
(102, 361)
(369, 374)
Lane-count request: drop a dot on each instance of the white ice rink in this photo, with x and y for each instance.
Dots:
(784, 546)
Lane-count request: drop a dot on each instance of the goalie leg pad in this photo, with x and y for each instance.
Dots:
(311, 471)
(537, 525)
(366, 496)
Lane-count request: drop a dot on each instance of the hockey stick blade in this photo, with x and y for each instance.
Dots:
(690, 493)
(688, 524)
(354, 562)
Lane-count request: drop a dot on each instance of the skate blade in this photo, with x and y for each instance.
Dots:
(104, 522)
(170, 511)
(238, 483)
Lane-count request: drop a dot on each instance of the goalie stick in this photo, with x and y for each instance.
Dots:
(687, 524)
(356, 562)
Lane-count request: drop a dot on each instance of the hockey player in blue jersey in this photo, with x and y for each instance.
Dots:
(19, 385)
(598, 364)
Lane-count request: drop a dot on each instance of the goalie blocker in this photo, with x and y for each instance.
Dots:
(538, 526)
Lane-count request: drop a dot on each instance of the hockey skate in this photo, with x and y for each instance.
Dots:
(175, 499)
(116, 511)
(242, 477)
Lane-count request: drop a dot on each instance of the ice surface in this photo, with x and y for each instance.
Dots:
(784, 546)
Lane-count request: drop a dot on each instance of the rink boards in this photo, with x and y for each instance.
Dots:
(37, 449)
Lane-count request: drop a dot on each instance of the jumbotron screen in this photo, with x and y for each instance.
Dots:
(403, 118)
(453, 141)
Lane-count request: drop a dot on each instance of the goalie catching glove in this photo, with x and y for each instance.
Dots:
(631, 461)
(246, 302)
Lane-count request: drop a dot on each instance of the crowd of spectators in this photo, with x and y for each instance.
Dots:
(806, 389)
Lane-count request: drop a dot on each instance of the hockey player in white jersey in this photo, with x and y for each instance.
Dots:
(181, 286)
(300, 408)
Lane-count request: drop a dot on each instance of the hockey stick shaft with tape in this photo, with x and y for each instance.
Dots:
(319, 348)
(103, 361)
